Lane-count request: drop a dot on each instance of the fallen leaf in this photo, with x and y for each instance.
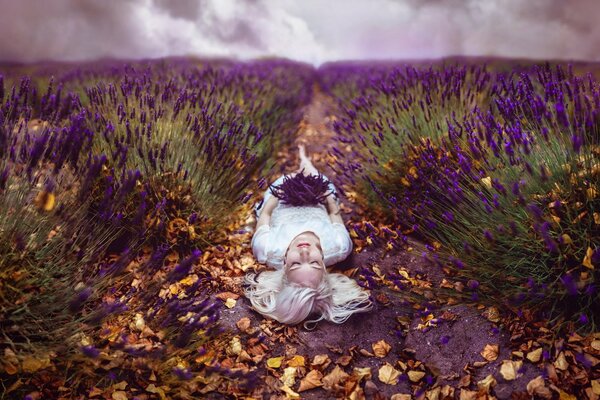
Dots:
(401, 396)
(467, 395)
(415, 376)
(596, 386)
(362, 373)
(321, 360)
(227, 295)
(119, 395)
(243, 324)
(289, 376)
(587, 260)
(32, 364)
(289, 393)
(311, 380)
(388, 374)
(45, 201)
(381, 348)
(344, 360)
(561, 362)
(120, 386)
(535, 355)
(274, 362)
(537, 387)
(235, 346)
(296, 361)
(509, 369)
(334, 377)
(596, 345)
(490, 352)
(230, 303)
(151, 388)
(487, 383)
(562, 395)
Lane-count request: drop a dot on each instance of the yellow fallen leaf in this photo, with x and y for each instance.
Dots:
(567, 239)
(289, 376)
(362, 373)
(243, 324)
(45, 201)
(235, 346)
(388, 374)
(120, 386)
(596, 386)
(596, 345)
(468, 395)
(561, 362)
(415, 376)
(535, 355)
(487, 383)
(230, 303)
(490, 352)
(334, 377)
(296, 361)
(151, 388)
(289, 393)
(562, 395)
(401, 396)
(537, 387)
(311, 380)
(274, 362)
(587, 260)
(32, 364)
(509, 369)
(487, 181)
(119, 395)
(381, 348)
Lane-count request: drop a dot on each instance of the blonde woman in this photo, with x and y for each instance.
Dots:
(300, 232)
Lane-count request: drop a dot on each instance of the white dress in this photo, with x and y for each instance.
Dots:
(270, 242)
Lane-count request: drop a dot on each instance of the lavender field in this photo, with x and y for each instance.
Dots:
(470, 188)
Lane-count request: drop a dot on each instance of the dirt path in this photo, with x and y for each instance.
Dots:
(448, 353)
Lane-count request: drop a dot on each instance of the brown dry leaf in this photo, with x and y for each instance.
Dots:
(401, 396)
(465, 381)
(362, 373)
(120, 386)
(490, 352)
(344, 360)
(596, 345)
(151, 388)
(535, 355)
(415, 376)
(388, 374)
(119, 395)
(227, 295)
(596, 387)
(321, 361)
(587, 260)
(366, 353)
(243, 324)
(289, 393)
(562, 395)
(311, 380)
(32, 364)
(274, 362)
(468, 395)
(487, 383)
(509, 369)
(45, 201)
(381, 348)
(334, 377)
(235, 346)
(537, 387)
(561, 362)
(296, 361)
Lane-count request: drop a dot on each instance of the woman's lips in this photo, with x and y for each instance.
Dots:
(303, 244)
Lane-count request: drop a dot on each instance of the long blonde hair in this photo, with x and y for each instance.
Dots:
(335, 298)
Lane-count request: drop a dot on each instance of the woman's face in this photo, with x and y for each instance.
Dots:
(304, 260)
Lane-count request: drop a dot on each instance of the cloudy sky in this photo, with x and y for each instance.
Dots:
(314, 31)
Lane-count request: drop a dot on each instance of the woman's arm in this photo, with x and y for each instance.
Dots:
(265, 215)
(335, 213)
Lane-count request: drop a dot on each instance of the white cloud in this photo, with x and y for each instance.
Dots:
(308, 30)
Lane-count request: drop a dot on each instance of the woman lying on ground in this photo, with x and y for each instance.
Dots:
(300, 232)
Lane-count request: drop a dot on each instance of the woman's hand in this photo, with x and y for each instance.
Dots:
(265, 215)
(335, 213)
